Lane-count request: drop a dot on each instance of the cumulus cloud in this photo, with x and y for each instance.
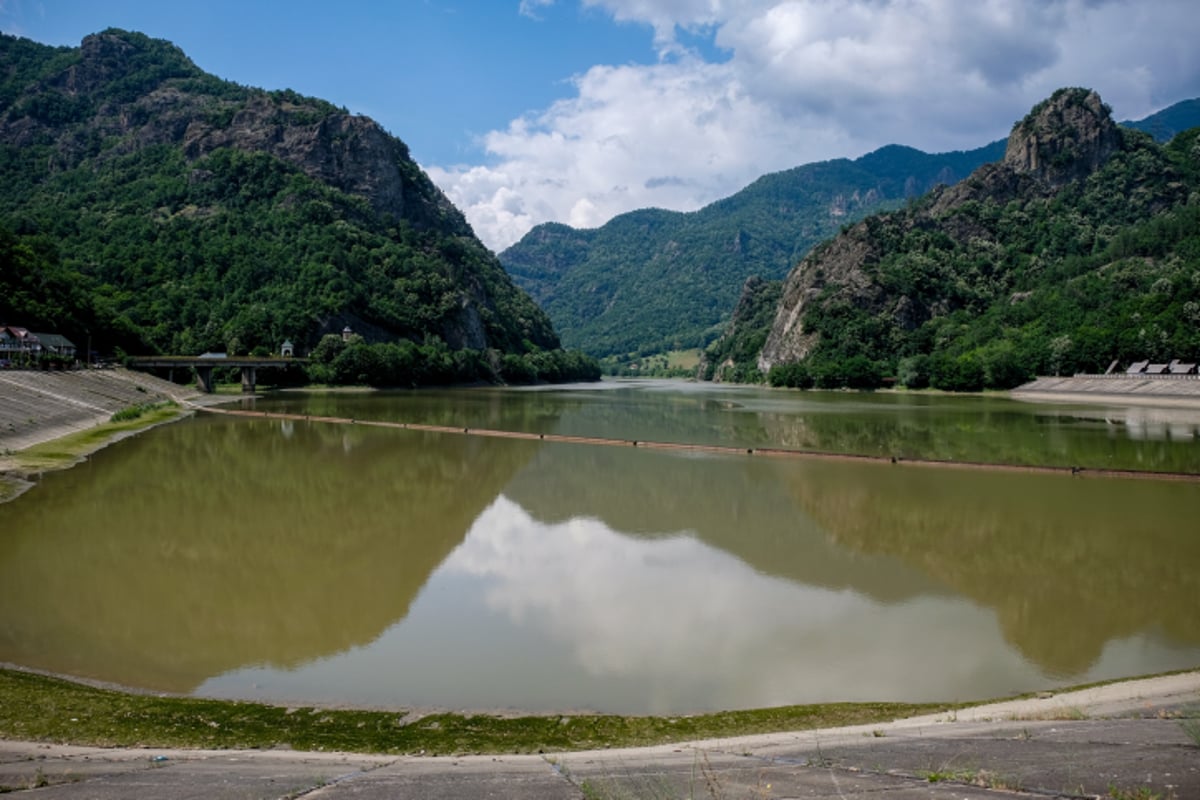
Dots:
(807, 80)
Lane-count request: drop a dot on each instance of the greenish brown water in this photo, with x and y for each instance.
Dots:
(309, 562)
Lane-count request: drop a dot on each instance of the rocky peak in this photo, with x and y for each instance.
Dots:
(103, 57)
(1064, 138)
(349, 152)
(108, 57)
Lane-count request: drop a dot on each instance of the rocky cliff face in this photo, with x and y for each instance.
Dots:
(841, 261)
(743, 338)
(351, 153)
(1064, 139)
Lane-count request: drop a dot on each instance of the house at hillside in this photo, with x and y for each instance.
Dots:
(19, 344)
(16, 341)
(58, 345)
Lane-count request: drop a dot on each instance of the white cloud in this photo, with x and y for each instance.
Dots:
(807, 80)
(532, 8)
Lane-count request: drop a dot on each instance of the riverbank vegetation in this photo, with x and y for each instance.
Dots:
(140, 410)
(67, 450)
(35, 707)
(338, 361)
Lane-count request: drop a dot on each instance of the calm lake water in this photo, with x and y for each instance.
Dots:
(307, 562)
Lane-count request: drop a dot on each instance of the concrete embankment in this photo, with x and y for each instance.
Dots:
(1180, 391)
(37, 407)
(1135, 739)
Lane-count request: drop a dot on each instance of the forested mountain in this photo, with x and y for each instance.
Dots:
(1082, 246)
(1164, 124)
(654, 280)
(152, 207)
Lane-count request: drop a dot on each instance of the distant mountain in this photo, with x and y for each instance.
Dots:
(654, 280)
(1171, 120)
(153, 207)
(1081, 247)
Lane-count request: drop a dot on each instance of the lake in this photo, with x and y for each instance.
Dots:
(306, 562)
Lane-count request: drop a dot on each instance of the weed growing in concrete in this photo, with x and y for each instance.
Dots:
(1140, 793)
(982, 778)
(944, 775)
(704, 783)
(1058, 714)
(1191, 726)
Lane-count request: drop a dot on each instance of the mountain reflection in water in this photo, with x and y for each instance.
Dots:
(306, 562)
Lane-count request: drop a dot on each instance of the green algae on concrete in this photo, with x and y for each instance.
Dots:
(35, 707)
(66, 451)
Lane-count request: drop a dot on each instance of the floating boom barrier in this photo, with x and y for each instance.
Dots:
(715, 449)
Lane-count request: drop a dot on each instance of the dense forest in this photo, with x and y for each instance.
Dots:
(652, 281)
(152, 208)
(1081, 248)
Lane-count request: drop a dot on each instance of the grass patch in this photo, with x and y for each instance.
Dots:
(68, 450)
(35, 707)
(138, 411)
(1056, 714)
(1140, 793)
(972, 777)
(684, 359)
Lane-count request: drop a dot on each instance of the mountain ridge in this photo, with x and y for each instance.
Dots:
(173, 211)
(607, 289)
(597, 300)
(1080, 247)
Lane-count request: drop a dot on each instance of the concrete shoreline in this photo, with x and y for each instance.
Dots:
(38, 408)
(1138, 737)
(43, 406)
(1139, 390)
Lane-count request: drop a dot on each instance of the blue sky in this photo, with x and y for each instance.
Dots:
(437, 73)
(526, 111)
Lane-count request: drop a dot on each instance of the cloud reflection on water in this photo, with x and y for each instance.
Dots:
(679, 608)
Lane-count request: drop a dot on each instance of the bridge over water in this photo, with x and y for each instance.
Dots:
(204, 366)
